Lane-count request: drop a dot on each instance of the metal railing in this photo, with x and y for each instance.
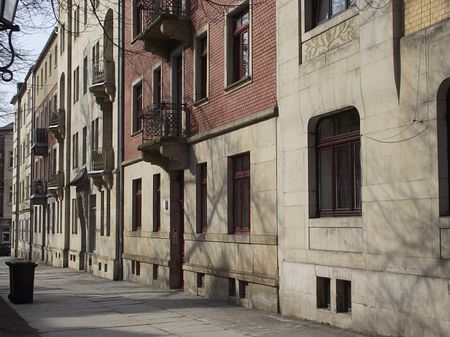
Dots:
(102, 71)
(55, 180)
(164, 120)
(39, 136)
(38, 188)
(151, 10)
(102, 159)
(57, 118)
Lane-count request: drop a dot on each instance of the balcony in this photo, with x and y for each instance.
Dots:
(38, 192)
(164, 136)
(39, 139)
(166, 24)
(103, 79)
(55, 184)
(102, 165)
(57, 124)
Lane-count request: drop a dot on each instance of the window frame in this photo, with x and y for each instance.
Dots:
(137, 205)
(201, 67)
(314, 16)
(136, 121)
(234, 69)
(240, 178)
(202, 197)
(349, 139)
(156, 202)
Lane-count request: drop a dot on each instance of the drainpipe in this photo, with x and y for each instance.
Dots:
(68, 140)
(120, 119)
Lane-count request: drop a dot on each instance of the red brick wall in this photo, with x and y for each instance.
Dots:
(222, 107)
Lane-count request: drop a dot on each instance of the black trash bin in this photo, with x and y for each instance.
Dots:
(21, 281)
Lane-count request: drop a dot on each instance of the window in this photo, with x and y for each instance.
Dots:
(201, 77)
(137, 204)
(75, 150)
(56, 56)
(138, 268)
(202, 198)
(76, 84)
(74, 217)
(84, 146)
(37, 90)
(102, 213)
(138, 20)
(137, 107)
(338, 164)
(85, 75)
(85, 11)
(200, 280)
(50, 65)
(45, 71)
(343, 296)
(155, 272)
(240, 45)
(157, 86)
(323, 10)
(240, 198)
(156, 202)
(94, 134)
(62, 37)
(11, 159)
(323, 293)
(76, 22)
(96, 53)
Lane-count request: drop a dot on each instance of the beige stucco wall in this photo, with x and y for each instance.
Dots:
(391, 254)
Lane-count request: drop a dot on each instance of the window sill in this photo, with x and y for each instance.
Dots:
(330, 23)
(238, 84)
(200, 102)
(336, 221)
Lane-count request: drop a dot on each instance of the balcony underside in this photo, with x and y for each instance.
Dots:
(38, 199)
(58, 132)
(165, 33)
(169, 153)
(101, 179)
(104, 93)
(39, 149)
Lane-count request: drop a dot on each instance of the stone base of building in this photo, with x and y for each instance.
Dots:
(151, 274)
(386, 303)
(232, 290)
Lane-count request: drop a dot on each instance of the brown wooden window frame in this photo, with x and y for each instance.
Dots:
(138, 106)
(202, 199)
(240, 27)
(351, 140)
(202, 67)
(317, 20)
(241, 186)
(156, 202)
(137, 205)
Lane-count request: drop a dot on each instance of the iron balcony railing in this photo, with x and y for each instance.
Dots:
(102, 71)
(151, 10)
(39, 136)
(38, 188)
(102, 159)
(55, 180)
(56, 118)
(165, 120)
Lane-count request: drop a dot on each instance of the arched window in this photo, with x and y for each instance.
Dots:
(338, 164)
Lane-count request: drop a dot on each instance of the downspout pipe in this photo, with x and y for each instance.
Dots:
(120, 120)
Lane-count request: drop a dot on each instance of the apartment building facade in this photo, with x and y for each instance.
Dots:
(363, 92)
(199, 164)
(6, 170)
(45, 207)
(21, 234)
(87, 88)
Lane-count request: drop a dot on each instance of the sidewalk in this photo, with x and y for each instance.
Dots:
(69, 303)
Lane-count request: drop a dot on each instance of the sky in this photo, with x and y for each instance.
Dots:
(35, 30)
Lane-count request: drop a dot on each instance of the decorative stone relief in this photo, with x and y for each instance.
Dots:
(330, 39)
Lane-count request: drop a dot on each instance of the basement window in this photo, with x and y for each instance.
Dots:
(243, 289)
(231, 287)
(200, 280)
(343, 296)
(155, 271)
(323, 293)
